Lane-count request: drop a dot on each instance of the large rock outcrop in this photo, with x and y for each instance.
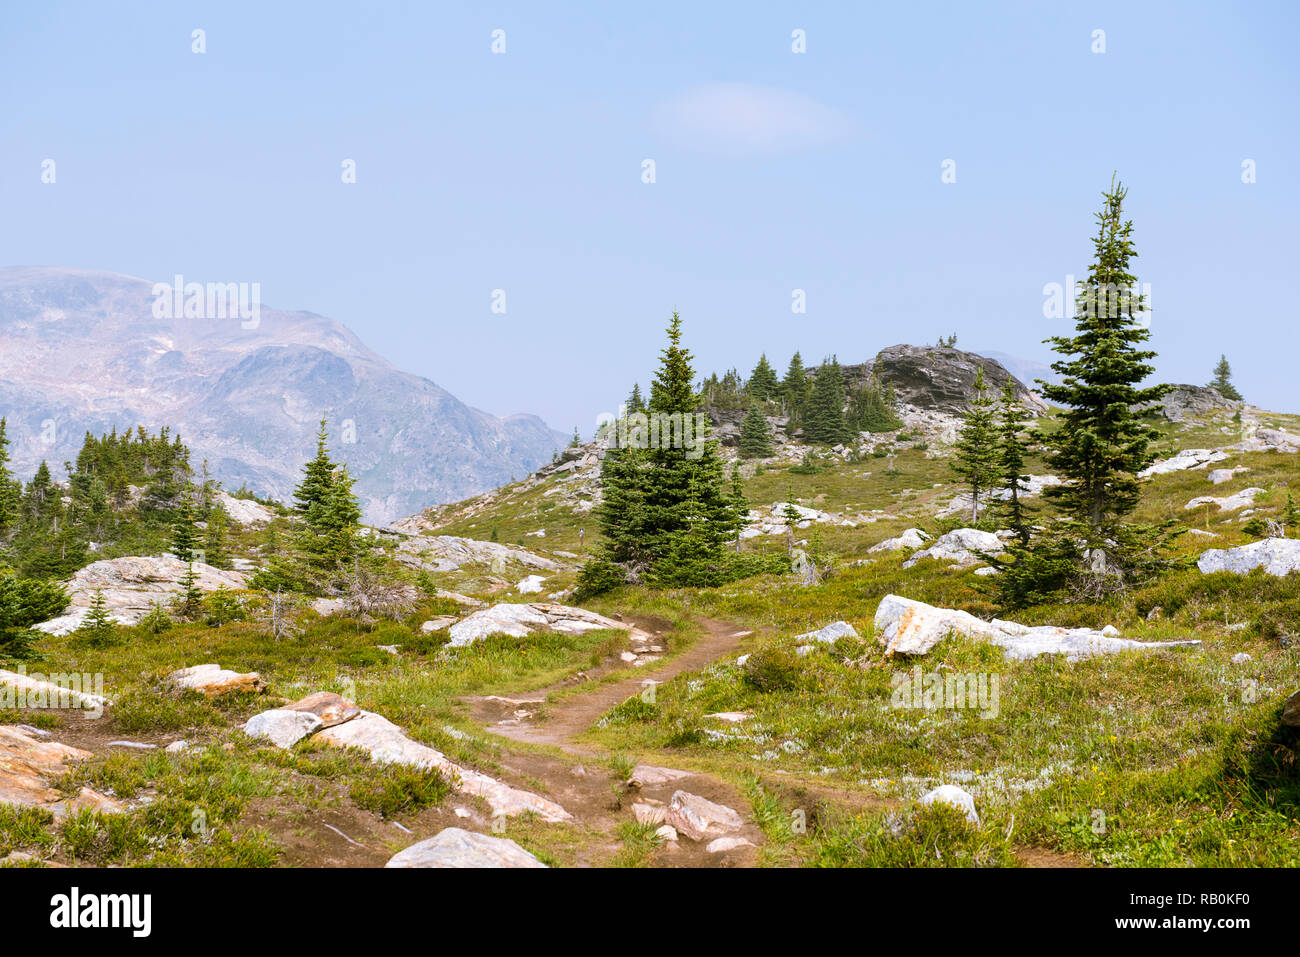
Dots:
(447, 553)
(131, 586)
(937, 378)
(909, 627)
(1191, 401)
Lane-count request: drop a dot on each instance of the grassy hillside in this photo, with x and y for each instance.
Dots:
(1134, 759)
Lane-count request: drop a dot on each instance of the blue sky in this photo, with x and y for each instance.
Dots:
(774, 171)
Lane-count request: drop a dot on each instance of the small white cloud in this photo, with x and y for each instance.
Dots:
(745, 118)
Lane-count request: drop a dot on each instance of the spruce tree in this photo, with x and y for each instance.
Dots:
(976, 451)
(660, 502)
(185, 534)
(1102, 443)
(318, 474)
(1012, 447)
(1222, 380)
(824, 422)
(40, 499)
(739, 504)
(794, 389)
(214, 540)
(10, 491)
(189, 603)
(98, 628)
(763, 384)
(635, 402)
(755, 439)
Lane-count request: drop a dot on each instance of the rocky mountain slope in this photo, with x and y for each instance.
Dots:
(82, 350)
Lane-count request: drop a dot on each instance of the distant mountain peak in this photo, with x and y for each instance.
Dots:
(83, 350)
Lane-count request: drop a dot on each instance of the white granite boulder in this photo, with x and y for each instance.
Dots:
(455, 847)
(909, 627)
(1276, 556)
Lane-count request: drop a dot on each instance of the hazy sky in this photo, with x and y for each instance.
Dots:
(774, 171)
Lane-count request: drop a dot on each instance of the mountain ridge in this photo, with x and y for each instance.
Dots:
(81, 350)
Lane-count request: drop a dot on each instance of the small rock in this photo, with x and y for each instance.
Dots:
(954, 797)
(214, 680)
(136, 745)
(1291, 711)
(830, 633)
(718, 845)
(177, 747)
(438, 623)
(530, 585)
(282, 727)
(1240, 658)
(454, 847)
(667, 833)
(647, 775)
(649, 813)
(698, 817)
(332, 709)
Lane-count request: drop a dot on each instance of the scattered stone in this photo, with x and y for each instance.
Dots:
(910, 627)
(667, 833)
(454, 847)
(1240, 658)
(446, 553)
(177, 747)
(721, 844)
(391, 649)
(328, 606)
(1276, 556)
(803, 651)
(1186, 459)
(1229, 503)
(699, 818)
(1270, 440)
(530, 585)
(463, 600)
(649, 813)
(647, 775)
(386, 743)
(283, 728)
(439, 623)
(27, 766)
(39, 690)
(1030, 486)
(954, 797)
(731, 717)
(962, 546)
(1219, 476)
(244, 511)
(214, 680)
(911, 539)
(332, 709)
(519, 620)
(830, 634)
(1291, 711)
(135, 745)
